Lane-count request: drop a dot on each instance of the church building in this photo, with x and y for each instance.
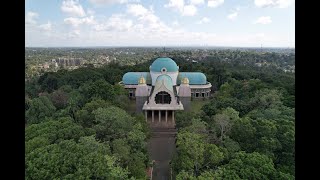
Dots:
(164, 90)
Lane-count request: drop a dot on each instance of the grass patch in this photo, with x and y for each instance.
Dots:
(196, 105)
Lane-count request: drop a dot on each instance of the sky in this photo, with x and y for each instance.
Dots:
(236, 23)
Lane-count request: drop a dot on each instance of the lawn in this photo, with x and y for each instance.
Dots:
(197, 104)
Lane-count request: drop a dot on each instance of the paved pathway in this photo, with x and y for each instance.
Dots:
(161, 147)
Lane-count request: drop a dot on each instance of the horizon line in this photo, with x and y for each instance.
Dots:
(148, 46)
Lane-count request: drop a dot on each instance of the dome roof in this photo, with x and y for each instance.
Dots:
(163, 62)
(195, 78)
(132, 78)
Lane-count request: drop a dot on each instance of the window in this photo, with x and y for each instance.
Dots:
(163, 98)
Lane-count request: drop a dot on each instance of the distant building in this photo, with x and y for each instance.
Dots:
(164, 90)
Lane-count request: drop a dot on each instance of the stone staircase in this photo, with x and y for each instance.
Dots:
(163, 132)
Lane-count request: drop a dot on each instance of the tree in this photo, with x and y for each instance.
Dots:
(99, 89)
(39, 109)
(223, 123)
(136, 165)
(71, 160)
(112, 123)
(136, 138)
(190, 150)
(244, 133)
(247, 166)
(53, 131)
(183, 119)
(85, 116)
(59, 99)
(121, 149)
(197, 126)
(212, 156)
(183, 175)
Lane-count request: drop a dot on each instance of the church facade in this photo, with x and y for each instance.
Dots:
(164, 90)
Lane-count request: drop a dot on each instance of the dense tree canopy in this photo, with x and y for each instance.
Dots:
(78, 125)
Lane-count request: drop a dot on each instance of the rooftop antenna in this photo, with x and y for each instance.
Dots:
(164, 52)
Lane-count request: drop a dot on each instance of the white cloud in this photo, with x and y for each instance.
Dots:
(31, 17)
(103, 2)
(189, 10)
(72, 8)
(196, 2)
(263, 20)
(175, 4)
(74, 34)
(116, 22)
(182, 8)
(75, 22)
(232, 16)
(46, 27)
(273, 3)
(137, 9)
(204, 20)
(215, 3)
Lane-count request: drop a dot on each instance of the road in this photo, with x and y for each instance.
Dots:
(161, 148)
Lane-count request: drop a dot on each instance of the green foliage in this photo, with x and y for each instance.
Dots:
(136, 165)
(99, 89)
(197, 126)
(59, 99)
(247, 166)
(252, 110)
(212, 155)
(85, 116)
(183, 175)
(244, 133)
(39, 109)
(70, 160)
(190, 149)
(183, 119)
(136, 138)
(53, 131)
(121, 149)
(112, 123)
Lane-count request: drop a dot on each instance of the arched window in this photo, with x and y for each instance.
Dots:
(163, 98)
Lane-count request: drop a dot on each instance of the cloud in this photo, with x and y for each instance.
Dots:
(175, 4)
(31, 17)
(116, 22)
(263, 20)
(196, 2)
(75, 22)
(215, 3)
(104, 2)
(74, 34)
(137, 10)
(72, 8)
(189, 10)
(273, 3)
(232, 16)
(182, 8)
(46, 27)
(203, 20)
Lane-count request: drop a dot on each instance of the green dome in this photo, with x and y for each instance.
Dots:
(195, 78)
(132, 78)
(162, 62)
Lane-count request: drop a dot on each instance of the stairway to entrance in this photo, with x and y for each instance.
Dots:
(161, 148)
